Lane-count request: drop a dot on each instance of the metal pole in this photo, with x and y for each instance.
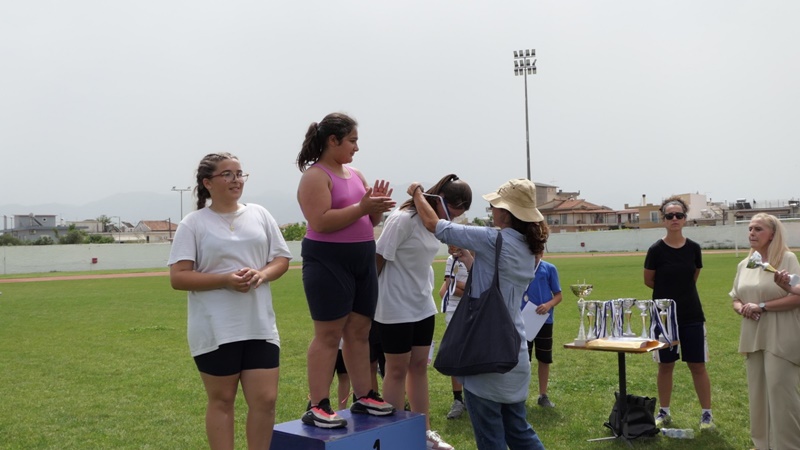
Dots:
(181, 190)
(523, 66)
(527, 130)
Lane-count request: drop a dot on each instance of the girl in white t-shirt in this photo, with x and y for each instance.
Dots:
(225, 255)
(405, 315)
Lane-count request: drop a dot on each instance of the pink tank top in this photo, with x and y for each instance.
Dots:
(345, 192)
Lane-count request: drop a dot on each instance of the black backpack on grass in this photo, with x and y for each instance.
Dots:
(639, 417)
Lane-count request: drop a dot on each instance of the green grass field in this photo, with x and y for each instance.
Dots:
(105, 364)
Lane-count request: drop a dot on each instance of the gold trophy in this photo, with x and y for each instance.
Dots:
(581, 291)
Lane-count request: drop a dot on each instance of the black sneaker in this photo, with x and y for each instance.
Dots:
(323, 416)
(372, 403)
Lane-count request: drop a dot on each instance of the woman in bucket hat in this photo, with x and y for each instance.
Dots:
(496, 402)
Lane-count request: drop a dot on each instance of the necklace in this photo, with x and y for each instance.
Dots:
(229, 222)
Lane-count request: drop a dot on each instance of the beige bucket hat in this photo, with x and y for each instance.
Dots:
(519, 197)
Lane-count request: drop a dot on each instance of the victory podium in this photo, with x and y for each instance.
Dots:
(403, 430)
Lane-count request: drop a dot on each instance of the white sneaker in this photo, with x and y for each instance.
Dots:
(435, 441)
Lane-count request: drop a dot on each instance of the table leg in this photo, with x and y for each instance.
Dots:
(622, 404)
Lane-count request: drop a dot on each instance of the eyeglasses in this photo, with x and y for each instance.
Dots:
(229, 176)
(670, 216)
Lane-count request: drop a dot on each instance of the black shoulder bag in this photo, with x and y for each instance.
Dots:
(481, 337)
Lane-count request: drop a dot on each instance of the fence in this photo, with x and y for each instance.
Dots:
(94, 257)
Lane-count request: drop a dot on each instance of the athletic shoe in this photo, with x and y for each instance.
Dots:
(663, 419)
(456, 410)
(707, 422)
(372, 403)
(323, 416)
(545, 402)
(435, 441)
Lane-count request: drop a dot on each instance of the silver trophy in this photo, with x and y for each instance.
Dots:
(756, 261)
(628, 303)
(663, 306)
(644, 307)
(581, 290)
(592, 310)
(616, 318)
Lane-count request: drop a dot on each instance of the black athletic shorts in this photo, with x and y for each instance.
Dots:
(339, 278)
(398, 338)
(233, 358)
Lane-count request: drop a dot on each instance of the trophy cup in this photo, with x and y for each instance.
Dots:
(756, 261)
(628, 303)
(581, 291)
(644, 307)
(663, 306)
(616, 318)
(592, 306)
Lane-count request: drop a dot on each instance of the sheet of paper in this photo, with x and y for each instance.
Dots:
(533, 321)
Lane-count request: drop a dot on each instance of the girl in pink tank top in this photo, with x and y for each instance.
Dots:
(339, 271)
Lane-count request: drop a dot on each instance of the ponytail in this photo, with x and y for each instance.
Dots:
(335, 124)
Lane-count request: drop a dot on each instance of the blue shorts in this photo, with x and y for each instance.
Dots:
(235, 357)
(692, 349)
(339, 278)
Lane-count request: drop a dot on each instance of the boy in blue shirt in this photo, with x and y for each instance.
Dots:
(544, 292)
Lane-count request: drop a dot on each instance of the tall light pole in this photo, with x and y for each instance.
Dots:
(524, 66)
(181, 190)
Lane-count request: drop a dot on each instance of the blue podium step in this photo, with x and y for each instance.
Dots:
(404, 430)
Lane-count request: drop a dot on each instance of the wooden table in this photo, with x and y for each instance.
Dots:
(608, 345)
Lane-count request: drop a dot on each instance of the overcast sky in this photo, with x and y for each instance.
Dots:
(632, 97)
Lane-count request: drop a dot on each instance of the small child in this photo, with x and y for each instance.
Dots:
(456, 272)
(545, 292)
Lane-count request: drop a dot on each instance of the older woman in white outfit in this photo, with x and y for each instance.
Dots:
(770, 338)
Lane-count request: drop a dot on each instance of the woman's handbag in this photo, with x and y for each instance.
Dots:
(481, 337)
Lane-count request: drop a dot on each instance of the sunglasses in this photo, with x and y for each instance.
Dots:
(670, 216)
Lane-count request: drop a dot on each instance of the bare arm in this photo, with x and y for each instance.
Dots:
(786, 303)
(381, 192)
(273, 270)
(314, 196)
(545, 307)
(183, 277)
(445, 287)
(424, 210)
(380, 262)
(782, 279)
(650, 278)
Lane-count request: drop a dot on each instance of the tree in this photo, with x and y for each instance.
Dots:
(99, 239)
(479, 222)
(294, 231)
(44, 240)
(74, 236)
(7, 239)
(105, 221)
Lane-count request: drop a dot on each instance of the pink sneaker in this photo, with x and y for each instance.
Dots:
(372, 403)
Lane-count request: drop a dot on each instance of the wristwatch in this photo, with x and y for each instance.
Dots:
(763, 306)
